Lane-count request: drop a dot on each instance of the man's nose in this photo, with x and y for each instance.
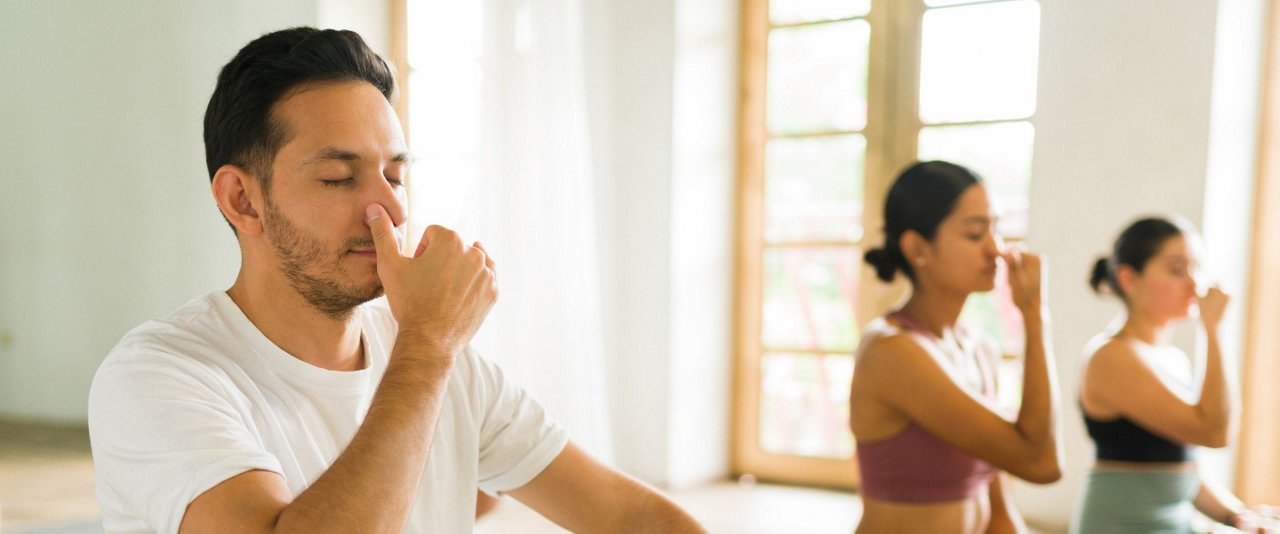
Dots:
(391, 198)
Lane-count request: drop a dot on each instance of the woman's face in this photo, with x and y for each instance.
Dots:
(964, 251)
(1166, 287)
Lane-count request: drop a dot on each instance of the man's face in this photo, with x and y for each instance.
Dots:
(346, 151)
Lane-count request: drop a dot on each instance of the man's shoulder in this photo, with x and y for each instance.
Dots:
(190, 333)
(192, 320)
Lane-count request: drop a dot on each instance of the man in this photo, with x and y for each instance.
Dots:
(288, 404)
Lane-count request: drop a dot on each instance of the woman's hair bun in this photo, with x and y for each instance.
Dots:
(1100, 277)
(883, 261)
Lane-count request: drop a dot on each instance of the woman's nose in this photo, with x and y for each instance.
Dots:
(995, 245)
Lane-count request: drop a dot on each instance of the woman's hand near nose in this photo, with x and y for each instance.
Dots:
(1213, 303)
(1026, 278)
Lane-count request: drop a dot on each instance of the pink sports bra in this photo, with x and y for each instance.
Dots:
(915, 466)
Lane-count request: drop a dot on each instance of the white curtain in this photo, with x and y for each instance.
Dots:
(499, 124)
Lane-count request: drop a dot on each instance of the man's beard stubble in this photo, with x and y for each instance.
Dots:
(302, 260)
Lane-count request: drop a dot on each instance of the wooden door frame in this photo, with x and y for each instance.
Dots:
(1257, 470)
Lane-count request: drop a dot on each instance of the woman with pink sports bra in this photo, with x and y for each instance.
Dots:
(932, 442)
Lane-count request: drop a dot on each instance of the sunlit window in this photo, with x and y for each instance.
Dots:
(444, 91)
(816, 110)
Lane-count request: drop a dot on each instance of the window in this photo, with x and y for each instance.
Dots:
(443, 42)
(838, 96)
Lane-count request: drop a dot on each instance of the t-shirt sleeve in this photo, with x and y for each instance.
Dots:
(517, 437)
(163, 432)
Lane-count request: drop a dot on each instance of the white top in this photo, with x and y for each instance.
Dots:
(187, 401)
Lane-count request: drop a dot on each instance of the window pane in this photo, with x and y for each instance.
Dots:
(804, 404)
(809, 294)
(979, 62)
(1000, 153)
(445, 143)
(818, 77)
(793, 11)
(813, 188)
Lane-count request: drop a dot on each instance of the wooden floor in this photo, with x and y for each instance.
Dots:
(723, 507)
(46, 487)
(46, 479)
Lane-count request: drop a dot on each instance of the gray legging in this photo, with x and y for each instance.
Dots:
(1138, 502)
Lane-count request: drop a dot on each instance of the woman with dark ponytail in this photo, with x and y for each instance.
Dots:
(932, 441)
(1139, 396)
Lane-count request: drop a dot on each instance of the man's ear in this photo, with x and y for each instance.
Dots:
(239, 197)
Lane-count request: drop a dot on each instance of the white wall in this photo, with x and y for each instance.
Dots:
(662, 97)
(1127, 105)
(372, 20)
(105, 215)
(703, 209)
(633, 89)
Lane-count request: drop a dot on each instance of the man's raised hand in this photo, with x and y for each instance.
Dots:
(443, 293)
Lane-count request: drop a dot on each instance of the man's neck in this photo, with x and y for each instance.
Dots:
(289, 321)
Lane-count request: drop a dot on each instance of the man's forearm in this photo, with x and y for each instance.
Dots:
(370, 487)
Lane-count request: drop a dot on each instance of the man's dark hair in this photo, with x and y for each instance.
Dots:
(239, 127)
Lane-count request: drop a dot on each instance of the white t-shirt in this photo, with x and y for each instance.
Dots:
(185, 402)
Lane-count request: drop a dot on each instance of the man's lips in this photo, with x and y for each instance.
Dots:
(371, 253)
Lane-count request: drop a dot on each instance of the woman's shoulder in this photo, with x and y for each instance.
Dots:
(883, 339)
(877, 332)
(1108, 344)
(1105, 353)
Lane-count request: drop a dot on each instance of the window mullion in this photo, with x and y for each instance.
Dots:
(892, 127)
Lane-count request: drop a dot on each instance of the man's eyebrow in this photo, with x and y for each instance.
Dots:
(331, 154)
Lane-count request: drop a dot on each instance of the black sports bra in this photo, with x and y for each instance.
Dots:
(1123, 440)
